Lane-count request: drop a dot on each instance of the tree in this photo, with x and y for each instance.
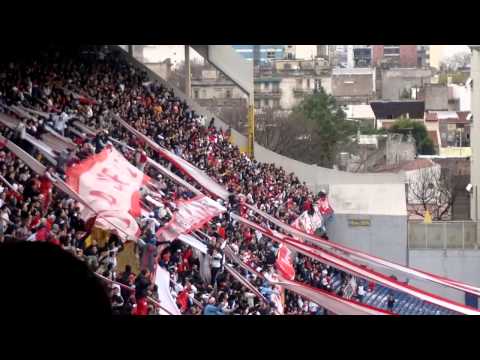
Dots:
(419, 132)
(314, 132)
(457, 61)
(327, 127)
(432, 190)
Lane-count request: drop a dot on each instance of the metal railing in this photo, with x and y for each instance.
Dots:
(443, 235)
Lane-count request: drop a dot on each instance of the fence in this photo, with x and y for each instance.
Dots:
(442, 235)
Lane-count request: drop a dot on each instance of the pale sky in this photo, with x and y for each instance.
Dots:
(157, 53)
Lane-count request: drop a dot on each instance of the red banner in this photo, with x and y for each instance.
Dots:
(284, 263)
(191, 215)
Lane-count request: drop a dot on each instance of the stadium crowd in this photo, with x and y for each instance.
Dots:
(94, 85)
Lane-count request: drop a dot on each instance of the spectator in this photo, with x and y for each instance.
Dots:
(211, 308)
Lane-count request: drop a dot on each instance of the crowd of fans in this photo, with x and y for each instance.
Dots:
(92, 85)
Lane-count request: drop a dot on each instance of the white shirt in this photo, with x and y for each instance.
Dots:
(217, 260)
(361, 290)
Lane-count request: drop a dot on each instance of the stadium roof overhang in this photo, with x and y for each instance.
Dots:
(228, 61)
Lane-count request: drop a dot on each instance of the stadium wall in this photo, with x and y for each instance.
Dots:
(371, 218)
(461, 265)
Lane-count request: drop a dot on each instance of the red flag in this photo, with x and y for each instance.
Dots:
(284, 263)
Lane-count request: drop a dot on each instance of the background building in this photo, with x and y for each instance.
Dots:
(353, 86)
(265, 52)
(362, 56)
(423, 56)
(395, 55)
(282, 84)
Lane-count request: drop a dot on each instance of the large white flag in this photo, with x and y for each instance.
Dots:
(111, 187)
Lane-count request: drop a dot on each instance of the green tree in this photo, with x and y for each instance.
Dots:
(419, 132)
(313, 133)
(327, 126)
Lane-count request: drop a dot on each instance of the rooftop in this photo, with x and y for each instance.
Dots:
(386, 109)
(420, 163)
(353, 71)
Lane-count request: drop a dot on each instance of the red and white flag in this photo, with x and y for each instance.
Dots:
(191, 215)
(308, 223)
(284, 263)
(110, 185)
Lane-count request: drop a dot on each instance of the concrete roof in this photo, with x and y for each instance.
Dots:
(352, 71)
(368, 199)
(360, 111)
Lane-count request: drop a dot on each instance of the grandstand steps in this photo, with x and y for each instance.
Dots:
(404, 305)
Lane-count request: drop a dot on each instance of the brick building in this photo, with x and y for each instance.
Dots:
(395, 55)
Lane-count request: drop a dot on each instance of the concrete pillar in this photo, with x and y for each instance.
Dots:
(188, 72)
(475, 136)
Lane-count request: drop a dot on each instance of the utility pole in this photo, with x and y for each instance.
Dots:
(188, 72)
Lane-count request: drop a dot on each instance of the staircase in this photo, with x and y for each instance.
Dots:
(404, 304)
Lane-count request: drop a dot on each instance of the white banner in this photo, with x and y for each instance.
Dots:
(162, 280)
(191, 215)
(110, 185)
(193, 242)
(308, 223)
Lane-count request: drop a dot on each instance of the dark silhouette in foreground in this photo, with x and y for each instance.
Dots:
(41, 279)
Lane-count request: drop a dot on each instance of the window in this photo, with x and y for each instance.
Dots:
(276, 103)
(275, 88)
(257, 104)
(299, 83)
(266, 86)
(228, 94)
(270, 54)
(308, 83)
(195, 94)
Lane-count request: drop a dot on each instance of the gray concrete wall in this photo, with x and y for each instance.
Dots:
(394, 81)
(316, 177)
(461, 265)
(386, 237)
(436, 97)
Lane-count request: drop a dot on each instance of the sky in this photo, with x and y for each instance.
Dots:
(157, 53)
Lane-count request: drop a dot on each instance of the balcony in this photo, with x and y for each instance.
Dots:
(301, 92)
(268, 94)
